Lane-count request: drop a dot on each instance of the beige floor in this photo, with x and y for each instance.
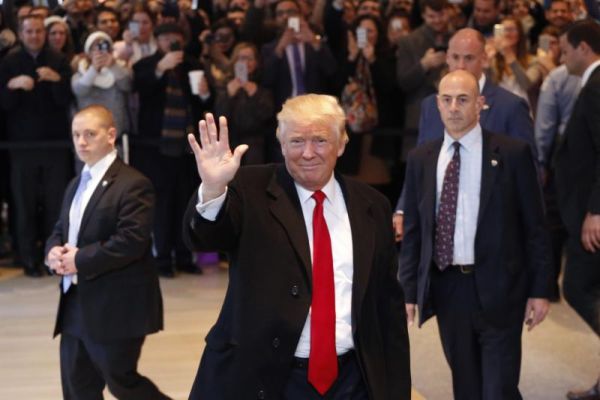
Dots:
(560, 354)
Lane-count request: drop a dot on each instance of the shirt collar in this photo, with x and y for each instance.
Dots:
(481, 82)
(329, 190)
(588, 72)
(468, 142)
(98, 170)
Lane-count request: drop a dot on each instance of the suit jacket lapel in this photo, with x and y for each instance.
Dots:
(427, 208)
(103, 185)
(490, 159)
(285, 207)
(488, 93)
(363, 246)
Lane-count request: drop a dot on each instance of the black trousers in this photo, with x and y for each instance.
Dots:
(38, 181)
(86, 366)
(175, 179)
(581, 282)
(485, 359)
(349, 384)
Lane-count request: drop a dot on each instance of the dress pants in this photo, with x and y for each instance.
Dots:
(485, 359)
(38, 180)
(581, 282)
(349, 384)
(87, 366)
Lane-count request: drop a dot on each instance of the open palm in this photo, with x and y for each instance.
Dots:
(217, 165)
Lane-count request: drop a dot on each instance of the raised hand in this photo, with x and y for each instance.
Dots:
(216, 164)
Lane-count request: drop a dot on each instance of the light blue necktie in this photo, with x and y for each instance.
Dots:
(75, 223)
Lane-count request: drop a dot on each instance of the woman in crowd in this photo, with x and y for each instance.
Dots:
(218, 44)
(138, 41)
(513, 67)
(378, 144)
(101, 79)
(59, 36)
(247, 105)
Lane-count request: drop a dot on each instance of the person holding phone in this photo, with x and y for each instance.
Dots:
(168, 109)
(247, 105)
(297, 61)
(513, 68)
(370, 151)
(101, 79)
(217, 45)
(138, 41)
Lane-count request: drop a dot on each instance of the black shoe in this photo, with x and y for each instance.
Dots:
(189, 268)
(33, 271)
(591, 394)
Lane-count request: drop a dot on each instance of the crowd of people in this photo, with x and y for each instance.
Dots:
(160, 66)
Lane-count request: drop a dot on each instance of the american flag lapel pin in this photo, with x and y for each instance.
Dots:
(494, 162)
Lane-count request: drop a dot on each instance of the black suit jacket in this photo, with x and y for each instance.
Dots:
(118, 285)
(249, 351)
(511, 243)
(577, 168)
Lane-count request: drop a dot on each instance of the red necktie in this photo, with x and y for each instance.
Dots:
(322, 363)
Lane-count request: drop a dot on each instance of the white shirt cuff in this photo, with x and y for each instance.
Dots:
(210, 209)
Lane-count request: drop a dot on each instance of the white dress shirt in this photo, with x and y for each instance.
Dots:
(469, 188)
(338, 224)
(97, 172)
(588, 72)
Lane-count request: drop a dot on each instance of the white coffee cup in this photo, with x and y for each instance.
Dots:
(195, 78)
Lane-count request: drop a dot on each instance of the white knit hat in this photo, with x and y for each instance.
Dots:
(93, 37)
(53, 19)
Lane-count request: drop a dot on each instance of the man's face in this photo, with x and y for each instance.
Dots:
(33, 34)
(91, 139)
(369, 8)
(459, 104)
(283, 11)
(165, 41)
(559, 14)
(108, 23)
(572, 57)
(466, 53)
(436, 20)
(485, 12)
(310, 152)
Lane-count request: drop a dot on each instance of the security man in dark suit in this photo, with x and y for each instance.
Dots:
(110, 296)
(578, 181)
(475, 250)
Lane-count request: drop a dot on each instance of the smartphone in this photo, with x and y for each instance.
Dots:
(104, 46)
(294, 24)
(397, 24)
(175, 46)
(544, 43)
(134, 28)
(241, 71)
(361, 37)
(498, 31)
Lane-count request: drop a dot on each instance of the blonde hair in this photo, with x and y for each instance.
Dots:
(311, 109)
(104, 115)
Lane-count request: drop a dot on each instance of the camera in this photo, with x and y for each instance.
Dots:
(175, 46)
(209, 39)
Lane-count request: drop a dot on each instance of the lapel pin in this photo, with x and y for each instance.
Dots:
(104, 183)
(494, 163)
(486, 107)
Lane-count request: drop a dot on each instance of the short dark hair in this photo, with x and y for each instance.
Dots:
(435, 5)
(104, 9)
(587, 31)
